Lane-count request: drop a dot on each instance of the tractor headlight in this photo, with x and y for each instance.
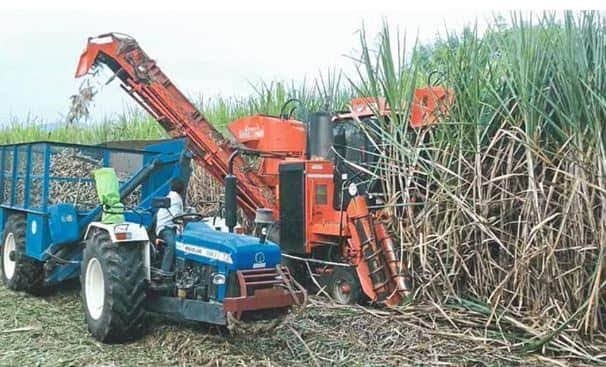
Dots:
(218, 279)
(122, 233)
(352, 189)
(120, 228)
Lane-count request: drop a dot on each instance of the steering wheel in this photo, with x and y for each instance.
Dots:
(188, 217)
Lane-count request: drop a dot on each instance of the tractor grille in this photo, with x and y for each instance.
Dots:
(251, 280)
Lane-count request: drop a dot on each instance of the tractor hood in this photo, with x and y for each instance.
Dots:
(202, 244)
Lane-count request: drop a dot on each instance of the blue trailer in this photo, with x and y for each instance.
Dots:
(51, 231)
(31, 179)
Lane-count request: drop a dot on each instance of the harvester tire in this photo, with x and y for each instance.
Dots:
(19, 272)
(112, 278)
(345, 286)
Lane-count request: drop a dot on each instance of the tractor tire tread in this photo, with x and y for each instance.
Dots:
(126, 291)
(29, 273)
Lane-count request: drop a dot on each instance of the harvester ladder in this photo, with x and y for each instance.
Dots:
(373, 256)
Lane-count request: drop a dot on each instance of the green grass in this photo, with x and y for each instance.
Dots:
(50, 331)
(135, 124)
(513, 179)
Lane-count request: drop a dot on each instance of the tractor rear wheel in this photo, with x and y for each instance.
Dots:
(19, 272)
(112, 278)
(345, 286)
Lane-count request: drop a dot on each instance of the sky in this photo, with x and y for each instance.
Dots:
(216, 51)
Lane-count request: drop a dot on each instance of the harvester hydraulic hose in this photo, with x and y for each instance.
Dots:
(316, 261)
(230, 161)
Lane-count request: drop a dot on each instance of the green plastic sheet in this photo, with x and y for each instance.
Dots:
(108, 190)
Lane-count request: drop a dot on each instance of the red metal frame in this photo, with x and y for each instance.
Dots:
(427, 105)
(262, 289)
(144, 81)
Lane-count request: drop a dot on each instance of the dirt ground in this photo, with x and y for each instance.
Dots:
(51, 331)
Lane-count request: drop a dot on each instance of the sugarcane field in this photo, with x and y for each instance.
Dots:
(253, 187)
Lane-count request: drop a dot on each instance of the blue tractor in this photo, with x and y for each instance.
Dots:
(50, 232)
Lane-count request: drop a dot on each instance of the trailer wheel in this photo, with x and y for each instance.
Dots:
(19, 272)
(112, 279)
(345, 287)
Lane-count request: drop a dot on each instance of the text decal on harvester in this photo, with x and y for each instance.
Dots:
(205, 252)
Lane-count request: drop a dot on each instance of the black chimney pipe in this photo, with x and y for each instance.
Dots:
(319, 136)
(231, 206)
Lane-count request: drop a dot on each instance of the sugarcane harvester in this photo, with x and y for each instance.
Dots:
(321, 217)
(58, 223)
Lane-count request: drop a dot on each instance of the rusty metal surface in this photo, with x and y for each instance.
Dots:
(262, 299)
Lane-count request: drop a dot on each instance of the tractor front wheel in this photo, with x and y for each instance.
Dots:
(112, 278)
(19, 272)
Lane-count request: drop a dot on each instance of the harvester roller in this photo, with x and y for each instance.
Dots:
(381, 278)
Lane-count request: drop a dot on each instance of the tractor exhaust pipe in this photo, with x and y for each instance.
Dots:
(231, 207)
